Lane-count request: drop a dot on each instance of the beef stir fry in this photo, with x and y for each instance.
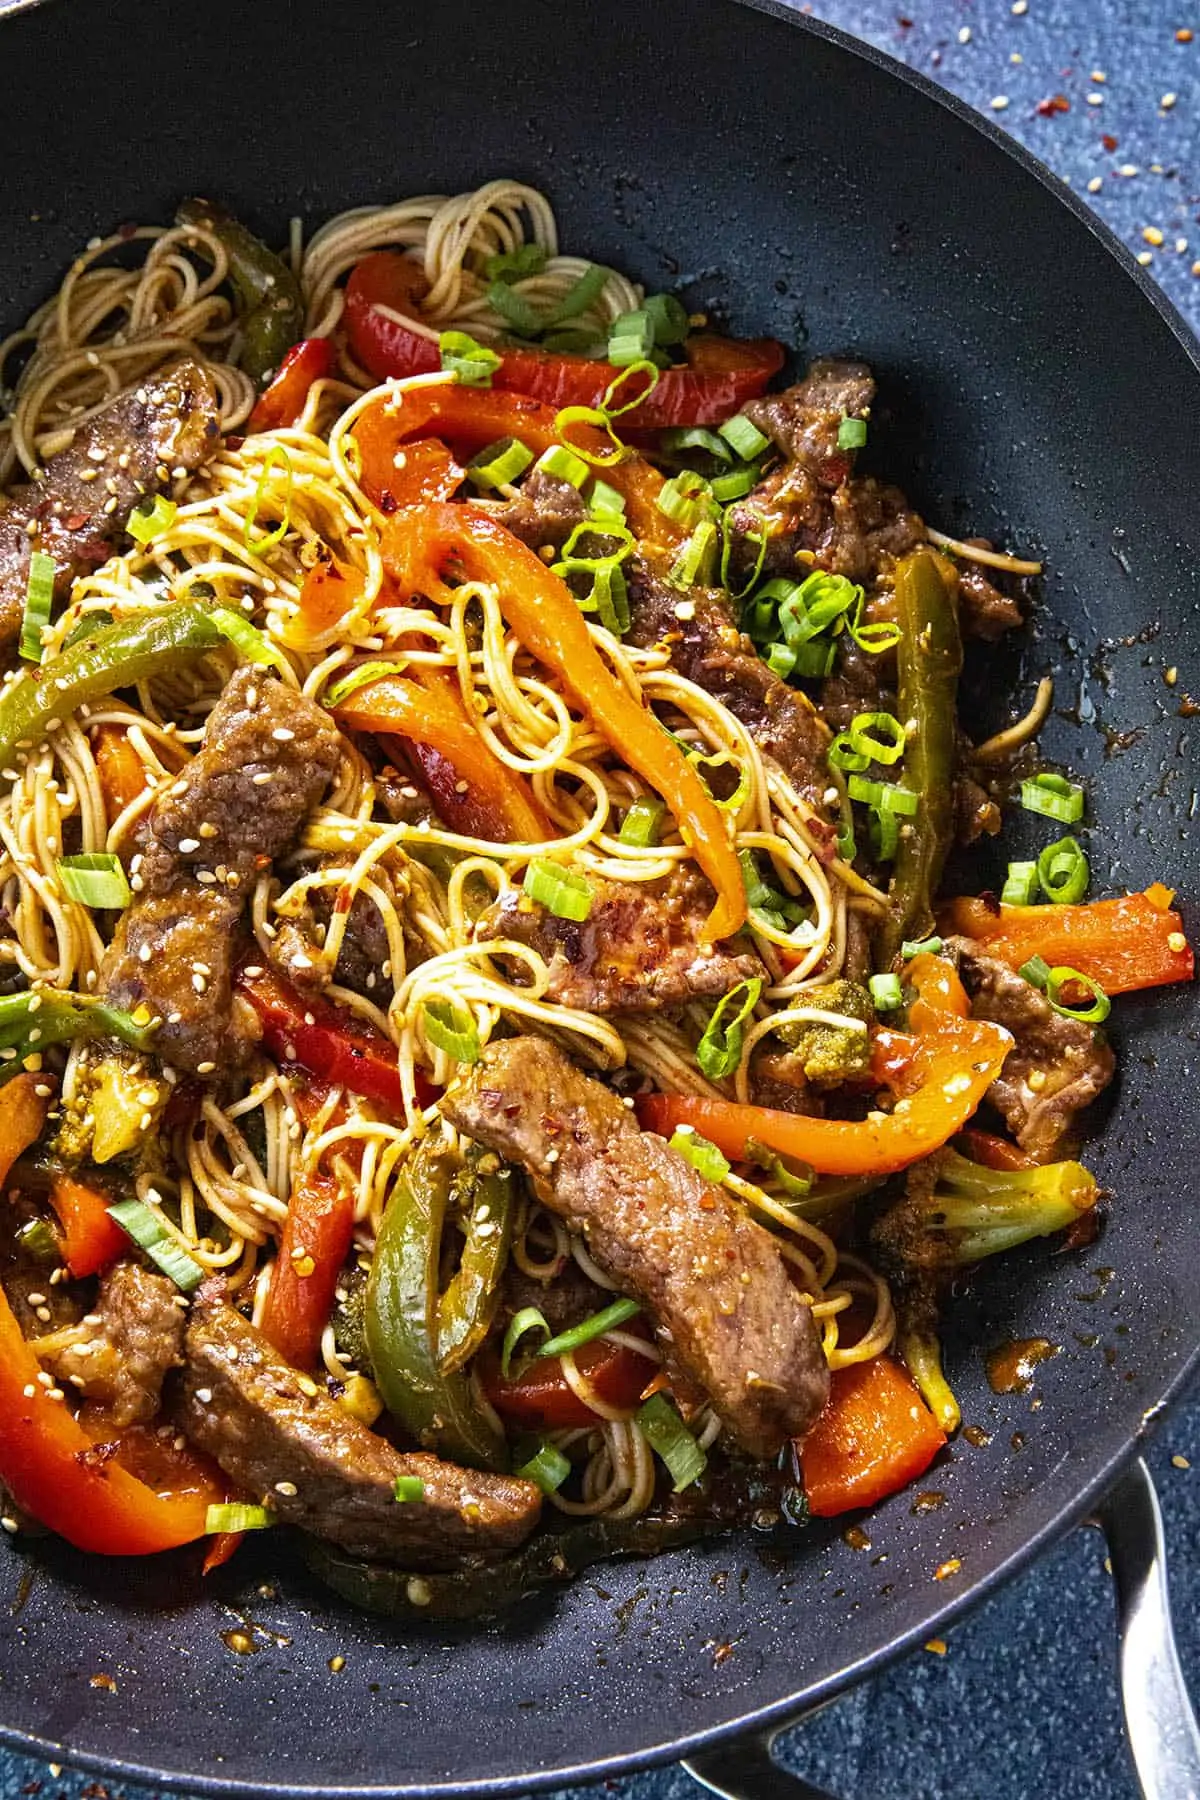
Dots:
(490, 1076)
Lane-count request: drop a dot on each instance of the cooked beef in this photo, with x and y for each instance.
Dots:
(131, 448)
(563, 1301)
(778, 1081)
(120, 1354)
(976, 814)
(297, 953)
(1056, 1067)
(791, 509)
(286, 1442)
(639, 948)
(547, 511)
(804, 420)
(267, 757)
(712, 1280)
(707, 647)
(856, 686)
(983, 610)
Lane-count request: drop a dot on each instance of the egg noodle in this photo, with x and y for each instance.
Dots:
(133, 302)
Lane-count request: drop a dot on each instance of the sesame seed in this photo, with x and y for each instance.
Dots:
(262, 780)
(208, 830)
(110, 505)
(1171, 675)
(145, 953)
(1145, 257)
(288, 1489)
(1095, 99)
(1181, 245)
(336, 1664)
(187, 845)
(1128, 170)
(282, 735)
(1180, 1462)
(1097, 75)
(1168, 101)
(998, 102)
(204, 1396)
(1152, 234)
(1020, 6)
(8, 1524)
(253, 970)
(1177, 943)
(205, 1068)
(1095, 184)
(964, 34)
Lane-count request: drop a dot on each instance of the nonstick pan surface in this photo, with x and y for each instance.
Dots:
(1033, 388)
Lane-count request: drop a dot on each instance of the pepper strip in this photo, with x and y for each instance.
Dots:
(1130, 942)
(316, 1240)
(542, 610)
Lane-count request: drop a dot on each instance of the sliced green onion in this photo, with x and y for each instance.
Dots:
(515, 309)
(275, 457)
(607, 1319)
(237, 1515)
(501, 463)
(843, 755)
(852, 434)
(247, 638)
(362, 676)
(516, 265)
(815, 660)
(562, 891)
(885, 795)
(781, 661)
(135, 1218)
(36, 1239)
(816, 605)
(1063, 977)
(630, 338)
(473, 363)
(696, 562)
(150, 518)
(1054, 797)
(669, 318)
(744, 438)
(931, 946)
(584, 295)
(1063, 871)
(1036, 971)
(563, 465)
(874, 638)
(884, 828)
(547, 1468)
(528, 1319)
(571, 559)
(618, 385)
(1020, 884)
(451, 1028)
(95, 878)
(671, 1441)
(889, 748)
(720, 1049)
(599, 421)
(886, 992)
(736, 484)
(682, 438)
(704, 1157)
(408, 1489)
(795, 1184)
(721, 759)
(609, 599)
(606, 502)
(39, 596)
(757, 537)
(847, 847)
(642, 825)
(684, 499)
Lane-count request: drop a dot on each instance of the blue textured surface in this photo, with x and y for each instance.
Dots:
(1024, 1700)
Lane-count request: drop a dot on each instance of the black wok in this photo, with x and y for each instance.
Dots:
(1036, 388)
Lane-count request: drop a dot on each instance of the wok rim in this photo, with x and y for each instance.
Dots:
(793, 1707)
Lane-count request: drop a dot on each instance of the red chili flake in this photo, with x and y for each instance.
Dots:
(1184, 36)
(234, 443)
(1110, 142)
(76, 522)
(904, 24)
(991, 900)
(126, 231)
(1053, 103)
(344, 900)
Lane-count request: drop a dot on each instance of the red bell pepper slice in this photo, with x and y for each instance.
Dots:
(722, 373)
(875, 1435)
(1131, 942)
(541, 609)
(316, 1239)
(90, 1240)
(283, 401)
(541, 1398)
(55, 1471)
(343, 1050)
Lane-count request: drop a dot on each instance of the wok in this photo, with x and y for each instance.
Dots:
(1036, 387)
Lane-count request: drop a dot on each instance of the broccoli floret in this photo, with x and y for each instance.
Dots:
(955, 1212)
(830, 1053)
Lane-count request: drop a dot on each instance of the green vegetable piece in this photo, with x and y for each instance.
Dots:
(149, 1233)
(671, 1440)
(562, 891)
(886, 992)
(270, 304)
(704, 1156)
(485, 1194)
(39, 597)
(547, 1468)
(409, 1489)
(238, 1516)
(968, 1212)
(1063, 871)
(831, 1054)
(720, 1049)
(32, 1022)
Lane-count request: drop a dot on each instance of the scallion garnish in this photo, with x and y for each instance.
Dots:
(886, 796)
(931, 946)
(562, 891)
(609, 599)
(1063, 871)
(275, 458)
(547, 1468)
(1036, 971)
(669, 318)
(563, 465)
(681, 439)
(473, 363)
(630, 338)
(528, 1319)
(842, 754)
(150, 518)
(237, 1515)
(578, 299)
(671, 1441)
(607, 1319)
(1054, 797)
(1020, 884)
(685, 498)
(362, 676)
(151, 1235)
(704, 1157)
(515, 309)
(886, 992)
(1061, 978)
(796, 1184)
(516, 265)
(627, 379)
(39, 596)
(720, 1049)
(735, 484)
(606, 502)
(744, 438)
(408, 1490)
(884, 830)
(864, 739)
(852, 434)
(94, 878)
(247, 638)
(642, 825)
(451, 1028)
(696, 562)
(500, 463)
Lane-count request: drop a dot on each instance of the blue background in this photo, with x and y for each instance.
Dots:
(1024, 1701)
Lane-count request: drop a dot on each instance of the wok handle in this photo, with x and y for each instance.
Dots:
(1164, 1738)
(1163, 1735)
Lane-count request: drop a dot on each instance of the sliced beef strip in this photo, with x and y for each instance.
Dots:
(563, 1300)
(983, 610)
(130, 449)
(285, 1442)
(707, 647)
(122, 1351)
(268, 756)
(803, 421)
(638, 950)
(546, 512)
(857, 685)
(1056, 1067)
(296, 950)
(713, 1281)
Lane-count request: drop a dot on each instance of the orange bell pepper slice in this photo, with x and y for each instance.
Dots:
(1123, 944)
(90, 1239)
(873, 1437)
(22, 1115)
(331, 589)
(417, 546)
(122, 772)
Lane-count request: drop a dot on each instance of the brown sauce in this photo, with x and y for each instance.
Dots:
(1010, 1366)
(976, 1435)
